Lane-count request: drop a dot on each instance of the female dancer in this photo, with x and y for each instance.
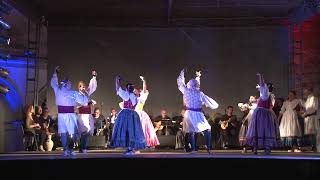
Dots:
(290, 130)
(127, 130)
(263, 130)
(147, 126)
(251, 106)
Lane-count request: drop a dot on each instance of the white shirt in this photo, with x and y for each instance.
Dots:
(125, 95)
(64, 96)
(113, 119)
(265, 94)
(193, 97)
(90, 89)
(311, 104)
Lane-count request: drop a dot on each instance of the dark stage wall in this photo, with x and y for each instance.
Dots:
(229, 58)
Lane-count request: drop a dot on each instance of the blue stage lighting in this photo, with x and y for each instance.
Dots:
(4, 24)
(4, 73)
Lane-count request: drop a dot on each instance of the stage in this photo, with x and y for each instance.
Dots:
(156, 154)
(175, 162)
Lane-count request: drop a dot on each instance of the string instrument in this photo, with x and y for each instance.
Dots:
(224, 124)
(158, 126)
(100, 130)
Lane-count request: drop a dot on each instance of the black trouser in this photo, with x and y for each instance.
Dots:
(30, 140)
(43, 138)
(110, 131)
(311, 140)
(83, 141)
(179, 140)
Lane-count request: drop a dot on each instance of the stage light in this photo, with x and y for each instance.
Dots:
(4, 73)
(4, 24)
(4, 89)
(4, 40)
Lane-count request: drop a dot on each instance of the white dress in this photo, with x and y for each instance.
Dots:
(194, 121)
(67, 122)
(251, 108)
(147, 126)
(86, 121)
(311, 123)
(289, 126)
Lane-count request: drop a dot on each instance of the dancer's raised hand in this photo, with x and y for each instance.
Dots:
(57, 69)
(142, 78)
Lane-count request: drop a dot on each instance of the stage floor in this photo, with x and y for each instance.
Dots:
(161, 163)
(118, 153)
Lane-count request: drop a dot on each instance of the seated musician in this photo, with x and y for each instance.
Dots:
(111, 120)
(180, 144)
(228, 125)
(100, 124)
(163, 124)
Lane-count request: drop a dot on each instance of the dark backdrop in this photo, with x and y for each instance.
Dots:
(228, 57)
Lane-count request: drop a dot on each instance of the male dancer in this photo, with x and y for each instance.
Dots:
(66, 100)
(194, 119)
(85, 120)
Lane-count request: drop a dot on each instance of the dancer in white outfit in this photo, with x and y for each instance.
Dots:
(66, 100)
(85, 119)
(311, 123)
(147, 126)
(290, 130)
(251, 106)
(194, 119)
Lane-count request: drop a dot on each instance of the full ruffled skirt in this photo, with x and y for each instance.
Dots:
(127, 130)
(148, 129)
(263, 130)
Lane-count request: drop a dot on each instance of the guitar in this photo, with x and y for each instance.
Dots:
(158, 126)
(224, 124)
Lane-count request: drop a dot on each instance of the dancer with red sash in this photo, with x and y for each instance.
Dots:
(66, 100)
(127, 131)
(85, 119)
(263, 130)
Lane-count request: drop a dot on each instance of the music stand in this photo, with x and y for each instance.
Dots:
(166, 125)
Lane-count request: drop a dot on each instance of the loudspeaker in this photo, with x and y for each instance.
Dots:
(200, 140)
(96, 142)
(169, 140)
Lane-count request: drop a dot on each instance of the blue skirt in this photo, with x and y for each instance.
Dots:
(127, 131)
(263, 130)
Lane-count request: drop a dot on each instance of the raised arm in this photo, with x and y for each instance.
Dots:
(263, 87)
(120, 92)
(144, 84)
(92, 84)
(198, 75)
(181, 82)
(117, 83)
(54, 80)
(261, 79)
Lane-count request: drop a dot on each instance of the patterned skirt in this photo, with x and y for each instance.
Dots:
(263, 130)
(127, 130)
(148, 129)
